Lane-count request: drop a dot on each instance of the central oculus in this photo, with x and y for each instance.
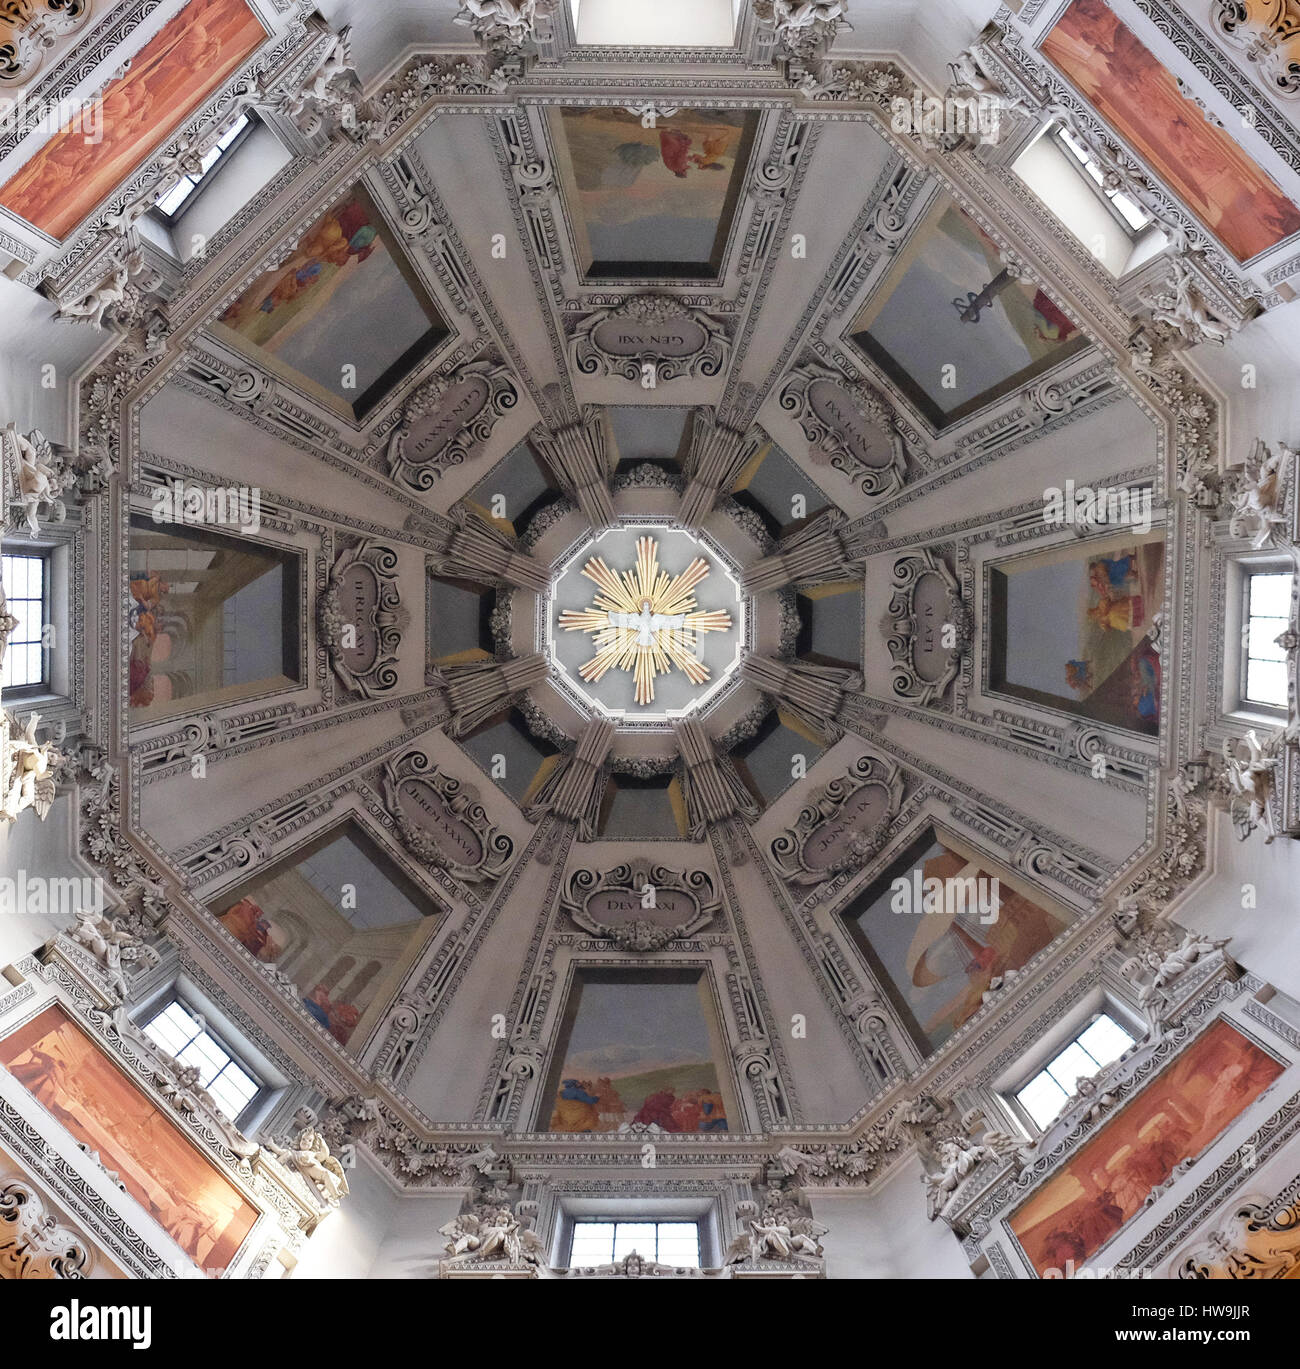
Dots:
(660, 631)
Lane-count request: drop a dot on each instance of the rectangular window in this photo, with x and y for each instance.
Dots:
(1134, 217)
(1267, 615)
(176, 1030)
(1101, 1043)
(26, 585)
(596, 1243)
(180, 194)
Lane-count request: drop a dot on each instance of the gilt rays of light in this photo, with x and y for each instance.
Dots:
(644, 622)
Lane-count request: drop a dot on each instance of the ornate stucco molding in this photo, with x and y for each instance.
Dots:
(927, 627)
(441, 821)
(1267, 32)
(850, 425)
(843, 824)
(33, 1244)
(361, 618)
(31, 29)
(650, 336)
(1257, 1240)
(448, 420)
(640, 905)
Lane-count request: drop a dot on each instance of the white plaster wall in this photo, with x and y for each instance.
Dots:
(886, 1234)
(412, 1246)
(35, 850)
(1265, 938)
(345, 1244)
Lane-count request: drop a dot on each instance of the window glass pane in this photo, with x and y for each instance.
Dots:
(1134, 215)
(673, 1243)
(232, 1090)
(638, 1236)
(182, 1036)
(593, 1243)
(1266, 682)
(1072, 1064)
(1105, 1040)
(1261, 641)
(1042, 1098)
(179, 193)
(1270, 594)
(679, 1244)
(176, 196)
(167, 1034)
(24, 583)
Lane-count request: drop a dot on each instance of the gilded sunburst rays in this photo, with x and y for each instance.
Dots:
(645, 622)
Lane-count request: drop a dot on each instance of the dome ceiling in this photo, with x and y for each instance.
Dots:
(641, 565)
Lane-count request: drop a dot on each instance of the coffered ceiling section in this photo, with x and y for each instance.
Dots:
(651, 196)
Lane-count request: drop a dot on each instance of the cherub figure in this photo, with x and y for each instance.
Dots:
(491, 1233)
(1255, 505)
(310, 1156)
(318, 96)
(40, 480)
(507, 23)
(1250, 782)
(106, 941)
(93, 307)
(1181, 307)
(30, 769)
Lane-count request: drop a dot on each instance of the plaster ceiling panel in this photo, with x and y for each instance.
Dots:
(381, 34)
(1115, 828)
(1108, 441)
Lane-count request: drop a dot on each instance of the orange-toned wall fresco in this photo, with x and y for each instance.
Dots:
(1236, 200)
(168, 80)
(1175, 1117)
(77, 1083)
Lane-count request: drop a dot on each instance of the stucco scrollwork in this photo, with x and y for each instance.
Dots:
(33, 1245)
(447, 420)
(641, 906)
(361, 618)
(1268, 32)
(851, 427)
(1252, 1243)
(928, 627)
(844, 823)
(441, 821)
(31, 29)
(650, 333)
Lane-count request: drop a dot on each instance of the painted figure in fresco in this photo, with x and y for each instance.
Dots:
(674, 146)
(713, 1114)
(576, 1108)
(609, 1105)
(1050, 324)
(713, 149)
(1145, 700)
(1115, 609)
(147, 594)
(251, 927)
(1078, 675)
(342, 236)
(339, 1019)
(657, 1110)
(675, 151)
